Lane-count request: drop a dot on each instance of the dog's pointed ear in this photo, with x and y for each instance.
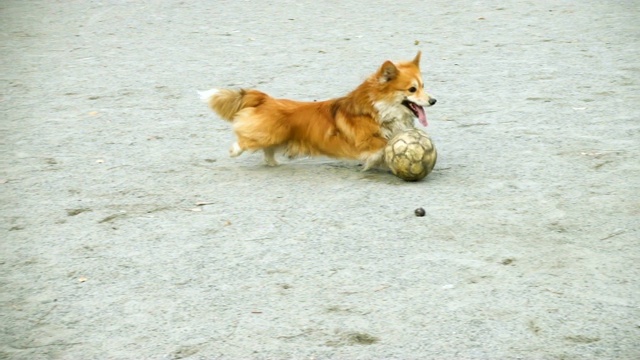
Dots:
(416, 60)
(388, 71)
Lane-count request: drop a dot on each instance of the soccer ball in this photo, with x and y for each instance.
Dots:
(410, 155)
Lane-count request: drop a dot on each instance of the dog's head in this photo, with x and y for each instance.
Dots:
(401, 90)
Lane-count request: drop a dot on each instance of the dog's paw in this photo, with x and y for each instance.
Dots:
(270, 157)
(235, 150)
(373, 161)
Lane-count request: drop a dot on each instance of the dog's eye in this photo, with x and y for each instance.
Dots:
(412, 89)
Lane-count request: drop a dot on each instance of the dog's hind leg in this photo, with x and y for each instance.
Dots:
(245, 143)
(255, 132)
(235, 150)
(270, 156)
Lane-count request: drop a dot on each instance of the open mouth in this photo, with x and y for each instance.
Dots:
(417, 110)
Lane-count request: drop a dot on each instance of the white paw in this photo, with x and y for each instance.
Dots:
(373, 161)
(235, 150)
(270, 161)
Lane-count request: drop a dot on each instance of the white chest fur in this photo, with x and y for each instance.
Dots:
(394, 118)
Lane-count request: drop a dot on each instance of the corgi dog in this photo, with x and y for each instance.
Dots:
(356, 126)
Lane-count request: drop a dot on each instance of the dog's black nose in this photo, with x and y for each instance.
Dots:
(432, 101)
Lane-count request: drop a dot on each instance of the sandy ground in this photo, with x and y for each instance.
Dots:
(128, 232)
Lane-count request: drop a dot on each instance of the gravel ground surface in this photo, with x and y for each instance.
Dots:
(128, 232)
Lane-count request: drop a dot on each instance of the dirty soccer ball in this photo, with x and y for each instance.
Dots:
(410, 155)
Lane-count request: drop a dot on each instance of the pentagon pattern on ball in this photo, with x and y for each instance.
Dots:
(411, 155)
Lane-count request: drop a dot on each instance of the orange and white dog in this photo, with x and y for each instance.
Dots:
(355, 126)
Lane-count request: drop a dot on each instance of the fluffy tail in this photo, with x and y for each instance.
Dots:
(227, 102)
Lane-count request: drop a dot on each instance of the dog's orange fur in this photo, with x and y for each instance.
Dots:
(356, 126)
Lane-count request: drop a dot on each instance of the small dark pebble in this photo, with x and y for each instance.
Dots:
(419, 212)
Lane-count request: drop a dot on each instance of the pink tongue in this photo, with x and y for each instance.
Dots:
(422, 116)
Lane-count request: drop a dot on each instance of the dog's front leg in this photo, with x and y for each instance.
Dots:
(374, 160)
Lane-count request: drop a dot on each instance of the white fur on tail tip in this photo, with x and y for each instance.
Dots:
(208, 94)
